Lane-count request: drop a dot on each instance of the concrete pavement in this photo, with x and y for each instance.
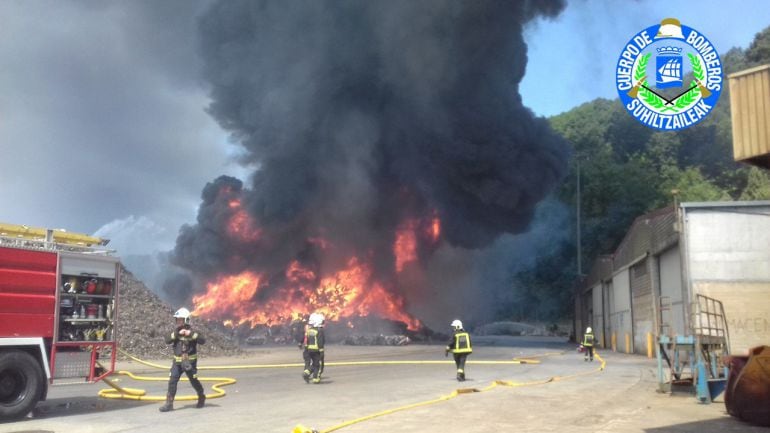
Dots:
(622, 398)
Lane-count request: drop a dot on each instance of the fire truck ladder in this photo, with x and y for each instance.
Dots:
(50, 239)
(695, 361)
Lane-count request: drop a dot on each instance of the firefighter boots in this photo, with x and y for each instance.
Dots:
(169, 406)
(306, 376)
(460, 376)
(201, 400)
(316, 380)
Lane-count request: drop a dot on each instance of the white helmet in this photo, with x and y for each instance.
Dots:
(588, 330)
(315, 320)
(456, 324)
(183, 313)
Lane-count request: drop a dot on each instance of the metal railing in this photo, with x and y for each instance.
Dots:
(41, 244)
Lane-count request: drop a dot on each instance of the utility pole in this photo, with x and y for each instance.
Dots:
(577, 229)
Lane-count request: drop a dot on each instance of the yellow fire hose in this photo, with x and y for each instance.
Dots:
(118, 392)
(302, 429)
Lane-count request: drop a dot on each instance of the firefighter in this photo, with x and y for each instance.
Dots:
(184, 341)
(588, 344)
(323, 353)
(299, 333)
(315, 347)
(460, 346)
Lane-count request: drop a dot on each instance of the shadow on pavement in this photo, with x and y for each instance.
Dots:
(721, 425)
(61, 407)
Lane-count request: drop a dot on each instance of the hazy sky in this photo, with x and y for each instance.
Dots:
(573, 57)
(103, 126)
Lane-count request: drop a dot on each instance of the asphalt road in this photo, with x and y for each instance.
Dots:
(561, 393)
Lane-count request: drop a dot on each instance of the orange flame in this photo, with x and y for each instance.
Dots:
(228, 297)
(346, 293)
(435, 229)
(241, 225)
(405, 246)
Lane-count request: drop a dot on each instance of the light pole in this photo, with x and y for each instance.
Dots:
(577, 212)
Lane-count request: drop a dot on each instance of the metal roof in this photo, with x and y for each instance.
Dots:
(713, 204)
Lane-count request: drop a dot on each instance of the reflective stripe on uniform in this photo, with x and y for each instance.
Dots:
(312, 339)
(462, 343)
(189, 358)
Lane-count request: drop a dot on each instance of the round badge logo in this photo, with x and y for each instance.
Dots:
(669, 76)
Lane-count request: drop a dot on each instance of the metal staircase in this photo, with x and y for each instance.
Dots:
(694, 362)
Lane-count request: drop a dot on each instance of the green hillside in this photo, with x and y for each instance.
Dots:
(626, 170)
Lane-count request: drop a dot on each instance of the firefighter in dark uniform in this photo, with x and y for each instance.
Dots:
(315, 347)
(185, 342)
(588, 344)
(299, 333)
(460, 346)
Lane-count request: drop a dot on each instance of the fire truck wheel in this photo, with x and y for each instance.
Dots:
(21, 383)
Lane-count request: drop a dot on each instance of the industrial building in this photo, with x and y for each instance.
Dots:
(670, 259)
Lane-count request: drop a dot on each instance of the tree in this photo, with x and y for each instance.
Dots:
(759, 50)
(692, 186)
(758, 186)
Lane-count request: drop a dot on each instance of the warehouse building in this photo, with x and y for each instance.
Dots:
(649, 286)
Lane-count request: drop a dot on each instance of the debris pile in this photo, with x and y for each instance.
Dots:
(519, 329)
(143, 320)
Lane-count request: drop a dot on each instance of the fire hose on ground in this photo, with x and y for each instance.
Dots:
(302, 429)
(118, 392)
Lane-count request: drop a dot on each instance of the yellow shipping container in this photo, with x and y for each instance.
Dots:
(750, 105)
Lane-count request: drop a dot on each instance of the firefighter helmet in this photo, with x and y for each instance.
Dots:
(316, 320)
(588, 330)
(457, 324)
(183, 313)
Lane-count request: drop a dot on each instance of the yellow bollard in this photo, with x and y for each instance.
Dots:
(614, 342)
(601, 340)
(628, 343)
(649, 345)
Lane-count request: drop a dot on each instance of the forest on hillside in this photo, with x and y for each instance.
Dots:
(626, 170)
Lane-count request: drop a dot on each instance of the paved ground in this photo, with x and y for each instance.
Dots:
(622, 398)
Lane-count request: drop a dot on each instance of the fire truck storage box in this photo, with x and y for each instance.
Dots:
(27, 293)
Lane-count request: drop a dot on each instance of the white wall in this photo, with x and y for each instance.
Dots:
(729, 244)
(620, 309)
(598, 319)
(728, 255)
(671, 287)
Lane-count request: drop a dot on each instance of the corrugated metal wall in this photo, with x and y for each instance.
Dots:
(620, 313)
(750, 108)
(598, 314)
(673, 309)
(625, 286)
(641, 305)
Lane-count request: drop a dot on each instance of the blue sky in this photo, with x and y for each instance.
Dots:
(572, 58)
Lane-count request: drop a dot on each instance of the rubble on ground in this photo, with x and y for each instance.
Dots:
(522, 329)
(143, 320)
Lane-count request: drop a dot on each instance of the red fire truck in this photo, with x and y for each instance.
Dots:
(58, 307)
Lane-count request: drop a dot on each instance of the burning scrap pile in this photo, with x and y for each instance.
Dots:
(388, 143)
(356, 332)
(144, 320)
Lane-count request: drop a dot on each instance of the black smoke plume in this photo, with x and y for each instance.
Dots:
(358, 115)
